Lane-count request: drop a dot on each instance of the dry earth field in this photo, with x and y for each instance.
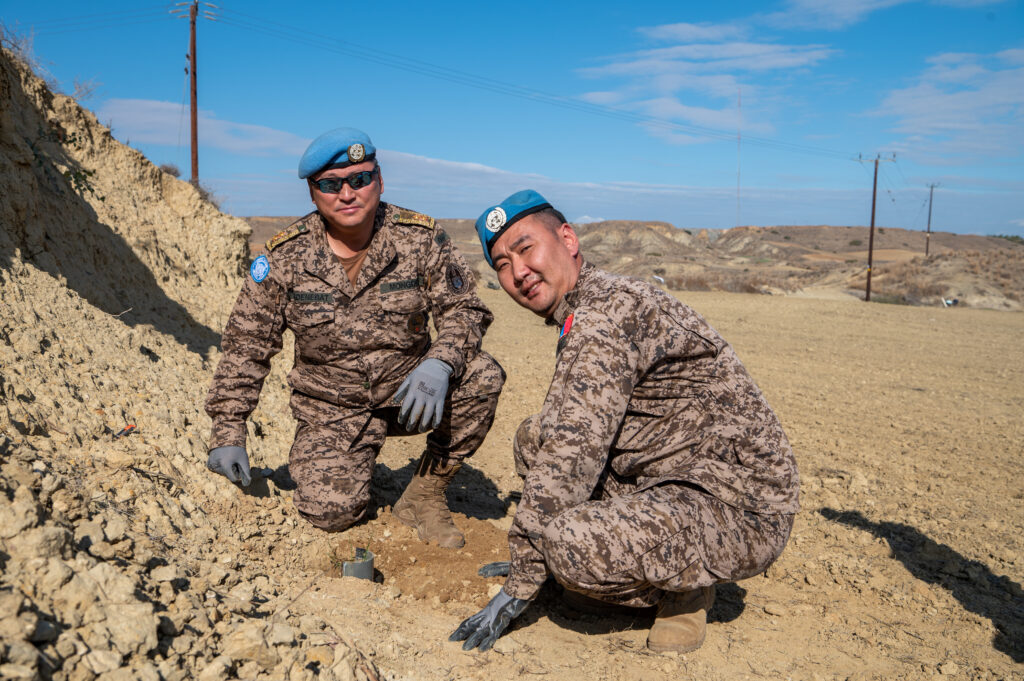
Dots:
(906, 560)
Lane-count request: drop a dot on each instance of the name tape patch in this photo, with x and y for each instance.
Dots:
(403, 285)
(310, 297)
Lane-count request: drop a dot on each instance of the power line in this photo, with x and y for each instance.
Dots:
(99, 21)
(84, 17)
(375, 55)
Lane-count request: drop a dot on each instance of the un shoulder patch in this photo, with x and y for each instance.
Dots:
(259, 269)
(456, 278)
(441, 237)
(411, 217)
(286, 234)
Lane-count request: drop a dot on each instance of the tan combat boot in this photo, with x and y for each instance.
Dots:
(424, 506)
(681, 622)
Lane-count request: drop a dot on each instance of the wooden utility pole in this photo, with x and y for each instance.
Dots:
(193, 12)
(178, 10)
(928, 234)
(871, 237)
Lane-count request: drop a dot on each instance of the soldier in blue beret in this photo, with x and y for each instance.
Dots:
(655, 469)
(357, 281)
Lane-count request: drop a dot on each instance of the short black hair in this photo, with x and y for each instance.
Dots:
(551, 216)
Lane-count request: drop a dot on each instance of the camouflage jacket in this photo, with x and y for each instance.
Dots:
(646, 390)
(354, 345)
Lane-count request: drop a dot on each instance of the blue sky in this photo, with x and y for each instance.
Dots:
(612, 110)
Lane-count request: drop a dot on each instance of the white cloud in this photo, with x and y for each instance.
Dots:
(839, 14)
(155, 122)
(832, 15)
(1015, 56)
(713, 58)
(455, 189)
(962, 107)
(459, 189)
(685, 33)
(697, 83)
(587, 218)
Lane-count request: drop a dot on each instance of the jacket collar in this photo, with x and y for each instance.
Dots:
(324, 265)
(570, 300)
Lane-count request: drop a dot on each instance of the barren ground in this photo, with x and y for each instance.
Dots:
(906, 560)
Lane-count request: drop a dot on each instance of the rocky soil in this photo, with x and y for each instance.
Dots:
(122, 557)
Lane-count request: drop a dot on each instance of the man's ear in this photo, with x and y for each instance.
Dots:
(310, 186)
(568, 237)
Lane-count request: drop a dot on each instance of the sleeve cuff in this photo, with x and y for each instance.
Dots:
(449, 356)
(516, 587)
(227, 434)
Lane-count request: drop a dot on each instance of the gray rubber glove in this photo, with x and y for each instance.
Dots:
(422, 394)
(486, 626)
(231, 462)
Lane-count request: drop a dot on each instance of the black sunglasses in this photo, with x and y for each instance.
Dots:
(333, 185)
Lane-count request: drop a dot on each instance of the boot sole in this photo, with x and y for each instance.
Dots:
(669, 648)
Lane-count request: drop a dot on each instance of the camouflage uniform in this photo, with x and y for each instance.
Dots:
(656, 464)
(354, 345)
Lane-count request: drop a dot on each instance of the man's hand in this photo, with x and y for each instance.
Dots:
(231, 462)
(422, 394)
(486, 626)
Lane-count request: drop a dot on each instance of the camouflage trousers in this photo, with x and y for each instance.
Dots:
(628, 545)
(334, 450)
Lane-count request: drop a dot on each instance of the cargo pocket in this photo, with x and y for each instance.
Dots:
(406, 313)
(676, 564)
(306, 315)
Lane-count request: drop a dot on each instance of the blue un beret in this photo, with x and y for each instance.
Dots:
(336, 149)
(493, 222)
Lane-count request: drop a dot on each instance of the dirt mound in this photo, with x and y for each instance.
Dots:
(991, 279)
(114, 278)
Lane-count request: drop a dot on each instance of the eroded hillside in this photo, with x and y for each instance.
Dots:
(115, 281)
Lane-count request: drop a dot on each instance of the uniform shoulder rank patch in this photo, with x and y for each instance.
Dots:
(259, 269)
(563, 335)
(456, 278)
(411, 217)
(286, 234)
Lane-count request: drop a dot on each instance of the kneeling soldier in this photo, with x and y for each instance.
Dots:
(655, 468)
(356, 281)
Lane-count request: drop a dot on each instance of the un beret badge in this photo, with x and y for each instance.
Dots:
(496, 219)
(356, 153)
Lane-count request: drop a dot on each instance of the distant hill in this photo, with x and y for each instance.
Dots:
(818, 260)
